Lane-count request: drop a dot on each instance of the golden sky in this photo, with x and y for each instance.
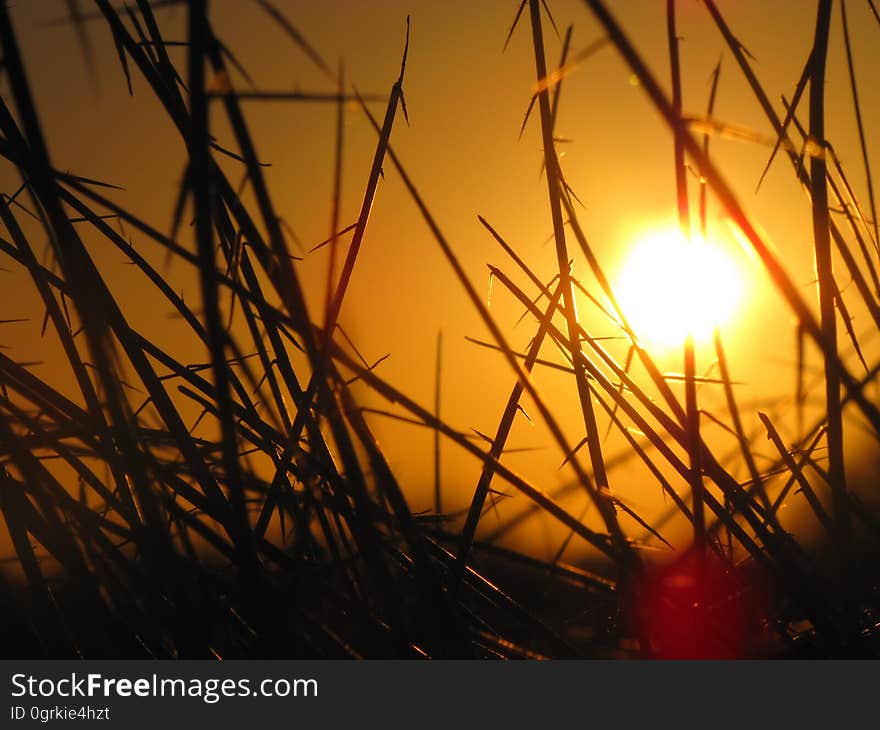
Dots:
(466, 101)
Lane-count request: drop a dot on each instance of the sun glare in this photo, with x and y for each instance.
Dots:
(670, 287)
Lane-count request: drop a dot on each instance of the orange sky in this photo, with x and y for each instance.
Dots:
(466, 101)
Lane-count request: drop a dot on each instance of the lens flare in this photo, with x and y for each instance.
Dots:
(670, 287)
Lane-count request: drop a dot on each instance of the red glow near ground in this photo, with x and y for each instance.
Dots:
(700, 609)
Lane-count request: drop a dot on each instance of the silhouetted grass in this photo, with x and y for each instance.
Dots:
(285, 531)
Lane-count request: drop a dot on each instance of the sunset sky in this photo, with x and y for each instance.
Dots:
(466, 100)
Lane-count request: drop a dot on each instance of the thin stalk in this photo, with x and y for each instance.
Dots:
(684, 223)
(330, 319)
(681, 188)
(710, 110)
(825, 276)
(695, 471)
(551, 162)
(395, 101)
(858, 110)
(797, 472)
(200, 178)
(733, 410)
(482, 489)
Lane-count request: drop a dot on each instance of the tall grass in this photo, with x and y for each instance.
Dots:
(285, 531)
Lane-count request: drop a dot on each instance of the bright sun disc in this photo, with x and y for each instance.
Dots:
(670, 287)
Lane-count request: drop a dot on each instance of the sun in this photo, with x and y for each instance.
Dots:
(670, 287)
